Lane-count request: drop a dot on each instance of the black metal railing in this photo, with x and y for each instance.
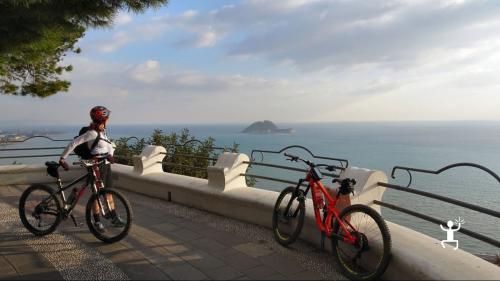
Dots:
(212, 157)
(343, 162)
(262, 152)
(33, 137)
(31, 148)
(40, 149)
(456, 202)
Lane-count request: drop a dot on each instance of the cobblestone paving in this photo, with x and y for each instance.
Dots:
(167, 241)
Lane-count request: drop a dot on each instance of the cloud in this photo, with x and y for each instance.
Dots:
(158, 92)
(199, 40)
(117, 41)
(322, 34)
(145, 31)
(147, 72)
(123, 18)
(207, 39)
(349, 60)
(189, 14)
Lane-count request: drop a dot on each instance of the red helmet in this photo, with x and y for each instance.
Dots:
(99, 114)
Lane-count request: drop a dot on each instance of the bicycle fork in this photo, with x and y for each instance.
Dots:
(104, 208)
(295, 195)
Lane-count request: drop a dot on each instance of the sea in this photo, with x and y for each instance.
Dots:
(371, 145)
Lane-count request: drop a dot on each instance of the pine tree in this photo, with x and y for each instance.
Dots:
(35, 35)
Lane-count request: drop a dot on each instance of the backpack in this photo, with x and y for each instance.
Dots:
(83, 151)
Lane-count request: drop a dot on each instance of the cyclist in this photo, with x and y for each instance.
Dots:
(102, 150)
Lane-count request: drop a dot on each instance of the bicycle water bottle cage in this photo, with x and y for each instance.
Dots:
(52, 169)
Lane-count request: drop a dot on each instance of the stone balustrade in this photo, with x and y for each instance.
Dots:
(414, 255)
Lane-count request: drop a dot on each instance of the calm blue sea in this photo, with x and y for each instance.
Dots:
(380, 146)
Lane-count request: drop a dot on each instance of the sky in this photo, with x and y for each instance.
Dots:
(288, 61)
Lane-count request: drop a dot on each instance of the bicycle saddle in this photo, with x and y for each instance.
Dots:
(52, 168)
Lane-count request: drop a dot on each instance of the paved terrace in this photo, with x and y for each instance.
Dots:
(167, 241)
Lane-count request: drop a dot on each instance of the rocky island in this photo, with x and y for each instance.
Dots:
(266, 127)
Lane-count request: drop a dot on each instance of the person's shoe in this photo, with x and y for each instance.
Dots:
(117, 221)
(99, 227)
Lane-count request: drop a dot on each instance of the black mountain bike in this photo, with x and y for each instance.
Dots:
(43, 207)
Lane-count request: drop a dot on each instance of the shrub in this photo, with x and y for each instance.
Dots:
(185, 154)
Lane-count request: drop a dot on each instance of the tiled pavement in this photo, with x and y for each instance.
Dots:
(167, 241)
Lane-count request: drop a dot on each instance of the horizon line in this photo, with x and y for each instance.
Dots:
(276, 122)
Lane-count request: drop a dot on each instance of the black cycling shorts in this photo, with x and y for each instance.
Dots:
(106, 175)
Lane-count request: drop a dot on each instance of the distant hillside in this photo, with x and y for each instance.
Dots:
(266, 127)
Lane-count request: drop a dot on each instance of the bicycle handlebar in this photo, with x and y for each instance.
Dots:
(297, 158)
(330, 168)
(292, 157)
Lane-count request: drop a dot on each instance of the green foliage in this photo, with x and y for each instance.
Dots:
(185, 154)
(35, 35)
(126, 148)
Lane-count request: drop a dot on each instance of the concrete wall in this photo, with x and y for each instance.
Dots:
(28, 174)
(415, 255)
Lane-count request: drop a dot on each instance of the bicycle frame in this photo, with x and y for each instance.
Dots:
(331, 211)
(95, 187)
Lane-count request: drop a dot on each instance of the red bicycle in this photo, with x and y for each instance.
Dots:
(360, 238)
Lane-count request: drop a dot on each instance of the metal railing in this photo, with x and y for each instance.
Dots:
(456, 202)
(343, 165)
(40, 148)
(32, 148)
(33, 137)
(343, 162)
(211, 156)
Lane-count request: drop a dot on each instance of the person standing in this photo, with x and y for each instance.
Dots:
(100, 148)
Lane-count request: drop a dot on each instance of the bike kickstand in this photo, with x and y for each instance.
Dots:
(322, 247)
(74, 220)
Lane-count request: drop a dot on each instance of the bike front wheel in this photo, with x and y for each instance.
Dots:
(114, 213)
(368, 257)
(288, 216)
(40, 209)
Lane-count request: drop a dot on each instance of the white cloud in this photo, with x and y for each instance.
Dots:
(320, 34)
(350, 60)
(117, 41)
(207, 39)
(165, 93)
(123, 18)
(189, 14)
(148, 72)
(145, 31)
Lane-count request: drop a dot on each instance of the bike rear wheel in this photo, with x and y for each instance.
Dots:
(369, 257)
(113, 231)
(40, 209)
(288, 221)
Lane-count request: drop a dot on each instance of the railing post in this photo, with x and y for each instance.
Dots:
(226, 173)
(367, 187)
(149, 161)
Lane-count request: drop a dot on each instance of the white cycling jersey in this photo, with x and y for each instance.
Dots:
(103, 146)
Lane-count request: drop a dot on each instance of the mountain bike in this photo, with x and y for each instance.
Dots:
(360, 238)
(43, 207)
